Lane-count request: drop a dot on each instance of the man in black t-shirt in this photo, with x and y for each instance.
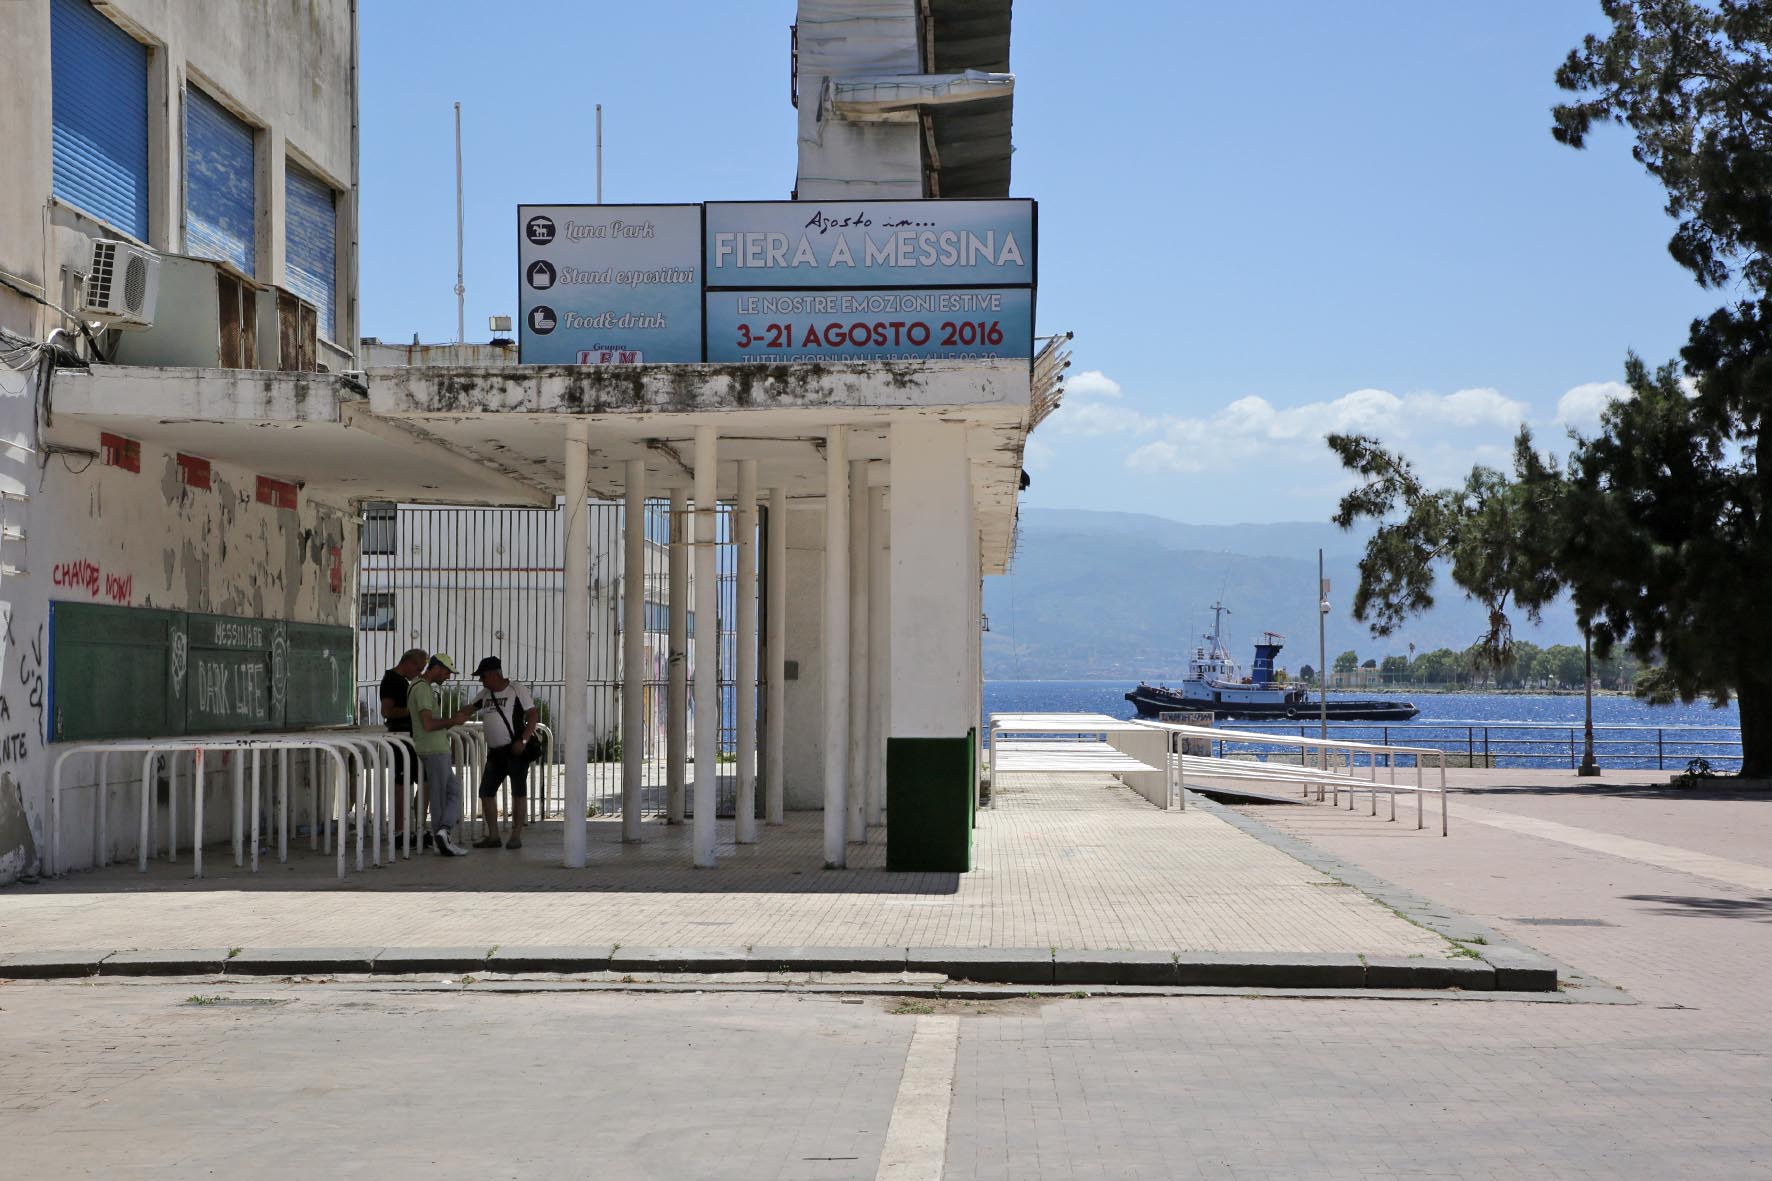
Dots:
(394, 685)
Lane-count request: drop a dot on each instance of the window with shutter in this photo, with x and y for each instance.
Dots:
(221, 197)
(99, 116)
(311, 244)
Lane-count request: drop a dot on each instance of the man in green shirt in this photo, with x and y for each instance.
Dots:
(430, 738)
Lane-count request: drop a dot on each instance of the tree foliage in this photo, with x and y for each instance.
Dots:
(1674, 545)
(1495, 533)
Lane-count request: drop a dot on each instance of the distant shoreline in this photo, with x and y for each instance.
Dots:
(1427, 690)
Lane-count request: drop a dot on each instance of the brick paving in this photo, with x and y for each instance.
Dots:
(126, 1078)
(1064, 861)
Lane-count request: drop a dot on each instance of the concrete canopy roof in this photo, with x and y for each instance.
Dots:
(291, 426)
(496, 435)
(776, 414)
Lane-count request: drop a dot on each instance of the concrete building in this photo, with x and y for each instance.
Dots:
(201, 467)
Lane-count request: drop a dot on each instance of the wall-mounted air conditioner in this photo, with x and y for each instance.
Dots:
(122, 284)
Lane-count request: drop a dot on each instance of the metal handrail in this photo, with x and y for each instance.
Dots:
(1179, 732)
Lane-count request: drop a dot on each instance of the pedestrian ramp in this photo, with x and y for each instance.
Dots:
(1081, 743)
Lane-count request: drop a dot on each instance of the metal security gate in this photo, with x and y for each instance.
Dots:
(488, 582)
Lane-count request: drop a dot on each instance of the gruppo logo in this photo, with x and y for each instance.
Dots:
(608, 356)
(540, 229)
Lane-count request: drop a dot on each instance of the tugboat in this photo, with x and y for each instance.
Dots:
(1215, 683)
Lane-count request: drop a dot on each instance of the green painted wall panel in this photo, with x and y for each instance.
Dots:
(134, 672)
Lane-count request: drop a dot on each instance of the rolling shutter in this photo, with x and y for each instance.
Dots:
(99, 97)
(220, 195)
(310, 254)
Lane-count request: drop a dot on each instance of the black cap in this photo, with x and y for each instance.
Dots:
(488, 664)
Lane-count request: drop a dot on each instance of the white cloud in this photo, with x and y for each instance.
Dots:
(1582, 406)
(1443, 433)
(1091, 383)
(1093, 419)
(1037, 456)
(1471, 408)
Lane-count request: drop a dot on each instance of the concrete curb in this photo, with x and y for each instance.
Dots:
(1512, 969)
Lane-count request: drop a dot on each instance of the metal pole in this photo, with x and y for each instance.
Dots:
(633, 651)
(461, 292)
(1589, 766)
(599, 153)
(707, 638)
(836, 647)
(1322, 654)
(745, 810)
(576, 638)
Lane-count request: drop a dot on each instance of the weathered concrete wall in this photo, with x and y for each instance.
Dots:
(858, 161)
(803, 757)
(617, 389)
(94, 533)
(282, 65)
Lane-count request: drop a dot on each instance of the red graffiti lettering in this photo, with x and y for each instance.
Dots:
(83, 575)
(79, 575)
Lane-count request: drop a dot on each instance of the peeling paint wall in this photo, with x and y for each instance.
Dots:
(101, 534)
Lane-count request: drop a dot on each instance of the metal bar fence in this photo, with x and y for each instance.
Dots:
(474, 582)
(1525, 745)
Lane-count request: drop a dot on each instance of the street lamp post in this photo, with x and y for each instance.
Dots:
(1589, 766)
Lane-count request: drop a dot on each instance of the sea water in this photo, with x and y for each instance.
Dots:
(1515, 729)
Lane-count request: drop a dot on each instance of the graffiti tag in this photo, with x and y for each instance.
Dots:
(81, 574)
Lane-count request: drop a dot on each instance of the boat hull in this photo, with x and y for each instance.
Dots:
(1152, 702)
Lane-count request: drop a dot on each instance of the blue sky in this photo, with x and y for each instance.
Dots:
(1261, 222)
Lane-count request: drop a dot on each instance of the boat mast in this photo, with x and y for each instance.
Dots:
(1218, 609)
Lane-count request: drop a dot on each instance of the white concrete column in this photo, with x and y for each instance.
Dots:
(879, 652)
(677, 690)
(633, 649)
(707, 635)
(836, 647)
(745, 824)
(932, 673)
(775, 661)
(860, 547)
(576, 639)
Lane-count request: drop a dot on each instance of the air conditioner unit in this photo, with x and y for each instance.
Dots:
(122, 284)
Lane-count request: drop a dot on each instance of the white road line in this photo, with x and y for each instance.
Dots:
(1722, 869)
(917, 1137)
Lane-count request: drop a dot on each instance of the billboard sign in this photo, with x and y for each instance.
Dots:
(609, 284)
(837, 244)
(921, 324)
(776, 282)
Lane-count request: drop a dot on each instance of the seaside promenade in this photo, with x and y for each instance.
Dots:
(1651, 1059)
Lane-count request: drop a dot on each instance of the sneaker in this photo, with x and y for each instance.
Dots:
(489, 842)
(445, 847)
(427, 839)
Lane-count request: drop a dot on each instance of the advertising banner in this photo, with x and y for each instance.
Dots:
(921, 324)
(849, 244)
(609, 284)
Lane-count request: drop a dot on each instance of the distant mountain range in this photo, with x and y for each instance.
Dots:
(1127, 595)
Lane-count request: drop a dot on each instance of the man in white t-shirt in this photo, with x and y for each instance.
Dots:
(510, 715)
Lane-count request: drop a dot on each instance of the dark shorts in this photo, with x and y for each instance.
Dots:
(501, 764)
(401, 761)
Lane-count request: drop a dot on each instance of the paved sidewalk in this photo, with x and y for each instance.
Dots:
(1064, 861)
